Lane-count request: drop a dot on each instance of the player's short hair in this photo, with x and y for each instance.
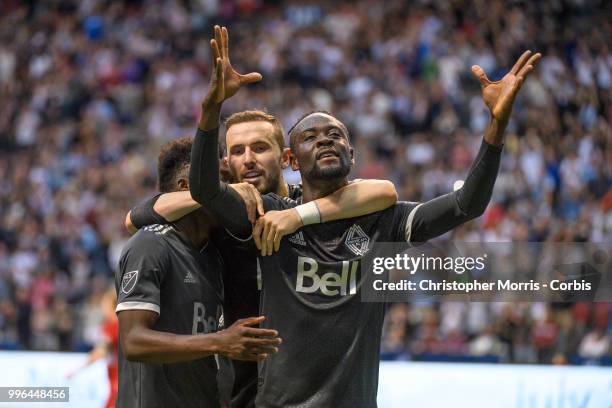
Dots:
(258, 116)
(174, 157)
(291, 133)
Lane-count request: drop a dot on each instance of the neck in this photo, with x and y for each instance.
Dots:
(313, 189)
(282, 189)
(195, 227)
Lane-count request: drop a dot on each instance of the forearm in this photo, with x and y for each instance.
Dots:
(444, 213)
(144, 214)
(223, 202)
(494, 133)
(151, 346)
(211, 113)
(175, 205)
(357, 199)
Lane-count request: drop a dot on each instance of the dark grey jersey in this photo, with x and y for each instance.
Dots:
(242, 282)
(311, 295)
(160, 271)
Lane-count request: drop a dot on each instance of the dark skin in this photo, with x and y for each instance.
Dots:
(240, 341)
(320, 132)
(321, 145)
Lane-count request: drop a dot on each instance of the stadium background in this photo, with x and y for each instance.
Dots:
(89, 90)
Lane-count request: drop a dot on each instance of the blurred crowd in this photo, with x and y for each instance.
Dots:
(89, 90)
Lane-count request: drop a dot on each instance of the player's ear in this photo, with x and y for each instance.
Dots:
(225, 162)
(295, 165)
(352, 153)
(183, 184)
(285, 158)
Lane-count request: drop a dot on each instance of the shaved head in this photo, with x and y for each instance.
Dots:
(312, 120)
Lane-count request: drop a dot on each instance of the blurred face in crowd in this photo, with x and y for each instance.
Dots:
(321, 148)
(254, 155)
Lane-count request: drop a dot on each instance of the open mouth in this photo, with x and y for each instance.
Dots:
(251, 174)
(326, 154)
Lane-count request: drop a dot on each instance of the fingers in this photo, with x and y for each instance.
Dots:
(218, 71)
(224, 43)
(251, 208)
(264, 237)
(260, 206)
(250, 78)
(521, 61)
(270, 239)
(257, 231)
(215, 50)
(480, 75)
(264, 337)
(522, 74)
(250, 321)
(277, 240)
(264, 350)
(528, 67)
(219, 40)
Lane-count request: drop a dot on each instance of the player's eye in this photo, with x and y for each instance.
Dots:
(260, 148)
(237, 152)
(309, 138)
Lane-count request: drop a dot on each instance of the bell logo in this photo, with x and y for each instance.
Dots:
(357, 240)
(329, 283)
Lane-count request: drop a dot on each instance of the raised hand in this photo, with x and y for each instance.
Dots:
(225, 81)
(499, 95)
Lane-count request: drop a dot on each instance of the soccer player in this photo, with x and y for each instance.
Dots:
(170, 297)
(311, 286)
(256, 155)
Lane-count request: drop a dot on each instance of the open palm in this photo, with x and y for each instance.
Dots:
(499, 95)
(225, 82)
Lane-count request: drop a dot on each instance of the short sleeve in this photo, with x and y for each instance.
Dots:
(141, 271)
(144, 214)
(403, 216)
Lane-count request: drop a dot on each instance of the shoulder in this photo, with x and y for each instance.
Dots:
(150, 240)
(275, 202)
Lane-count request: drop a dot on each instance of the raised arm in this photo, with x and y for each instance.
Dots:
(444, 213)
(224, 203)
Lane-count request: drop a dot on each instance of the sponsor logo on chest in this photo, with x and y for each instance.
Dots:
(327, 282)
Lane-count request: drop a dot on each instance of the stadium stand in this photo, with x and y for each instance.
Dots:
(89, 90)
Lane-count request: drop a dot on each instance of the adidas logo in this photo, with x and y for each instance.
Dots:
(189, 278)
(298, 238)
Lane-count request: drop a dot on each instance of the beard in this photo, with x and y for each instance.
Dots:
(336, 170)
(267, 184)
